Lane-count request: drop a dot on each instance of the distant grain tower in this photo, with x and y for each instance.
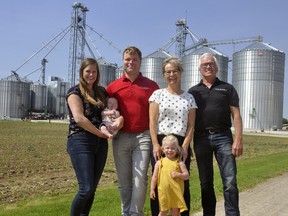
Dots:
(77, 41)
(182, 31)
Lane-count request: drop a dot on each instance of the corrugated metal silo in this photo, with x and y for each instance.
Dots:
(38, 97)
(107, 72)
(14, 98)
(151, 67)
(119, 72)
(57, 90)
(192, 76)
(258, 76)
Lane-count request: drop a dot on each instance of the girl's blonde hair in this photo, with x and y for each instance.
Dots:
(173, 140)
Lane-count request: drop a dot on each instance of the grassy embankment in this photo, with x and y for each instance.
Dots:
(36, 177)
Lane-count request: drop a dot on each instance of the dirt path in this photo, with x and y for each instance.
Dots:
(266, 199)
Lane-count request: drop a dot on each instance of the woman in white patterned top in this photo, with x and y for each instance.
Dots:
(172, 111)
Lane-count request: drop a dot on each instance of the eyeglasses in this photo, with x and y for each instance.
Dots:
(210, 64)
(171, 72)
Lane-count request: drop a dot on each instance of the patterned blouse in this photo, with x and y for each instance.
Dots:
(173, 111)
(93, 113)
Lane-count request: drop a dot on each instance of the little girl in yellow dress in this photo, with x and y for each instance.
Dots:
(169, 175)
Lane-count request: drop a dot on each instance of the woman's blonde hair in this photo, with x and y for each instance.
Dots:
(99, 99)
(174, 61)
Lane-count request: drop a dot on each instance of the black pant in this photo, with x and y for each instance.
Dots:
(154, 204)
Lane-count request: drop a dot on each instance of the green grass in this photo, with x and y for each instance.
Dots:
(34, 155)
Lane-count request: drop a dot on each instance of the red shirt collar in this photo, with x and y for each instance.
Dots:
(124, 78)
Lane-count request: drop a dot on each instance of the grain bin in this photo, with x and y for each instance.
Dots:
(151, 67)
(14, 98)
(258, 76)
(107, 72)
(119, 72)
(57, 90)
(191, 74)
(38, 97)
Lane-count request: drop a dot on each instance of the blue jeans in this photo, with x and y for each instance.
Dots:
(221, 145)
(132, 155)
(88, 155)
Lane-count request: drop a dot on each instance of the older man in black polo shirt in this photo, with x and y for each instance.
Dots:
(217, 101)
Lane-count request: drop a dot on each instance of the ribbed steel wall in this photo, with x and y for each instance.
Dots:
(258, 76)
(57, 91)
(38, 97)
(14, 99)
(107, 74)
(151, 67)
(191, 75)
(119, 72)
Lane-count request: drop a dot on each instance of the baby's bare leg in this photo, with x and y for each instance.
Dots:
(105, 131)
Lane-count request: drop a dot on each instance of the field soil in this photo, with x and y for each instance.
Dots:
(34, 161)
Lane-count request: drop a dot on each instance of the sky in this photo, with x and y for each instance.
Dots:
(27, 26)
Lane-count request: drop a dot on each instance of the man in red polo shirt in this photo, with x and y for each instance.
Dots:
(131, 146)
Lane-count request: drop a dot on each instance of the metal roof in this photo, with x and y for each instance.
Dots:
(158, 54)
(260, 46)
(206, 49)
(17, 78)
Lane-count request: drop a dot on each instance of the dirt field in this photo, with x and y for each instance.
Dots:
(34, 161)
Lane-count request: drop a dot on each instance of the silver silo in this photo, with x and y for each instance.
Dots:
(57, 90)
(14, 98)
(192, 76)
(39, 97)
(258, 76)
(107, 72)
(151, 67)
(119, 72)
